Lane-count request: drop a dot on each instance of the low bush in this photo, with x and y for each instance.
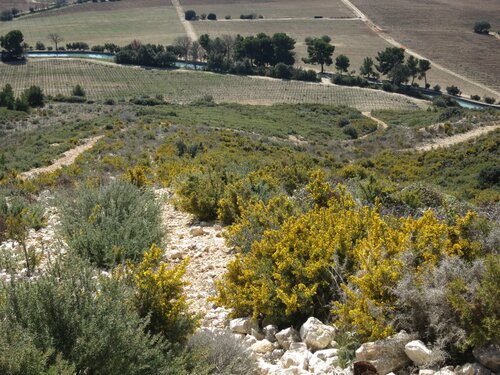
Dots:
(70, 321)
(222, 352)
(111, 223)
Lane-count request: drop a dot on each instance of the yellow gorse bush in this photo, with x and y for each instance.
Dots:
(159, 293)
(337, 262)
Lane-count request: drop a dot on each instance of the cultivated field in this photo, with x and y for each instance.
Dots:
(442, 31)
(120, 22)
(270, 9)
(103, 81)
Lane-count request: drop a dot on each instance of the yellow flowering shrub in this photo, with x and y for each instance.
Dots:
(159, 294)
(342, 259)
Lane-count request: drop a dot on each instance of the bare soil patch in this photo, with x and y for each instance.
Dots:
(442, 31)
(270, 9)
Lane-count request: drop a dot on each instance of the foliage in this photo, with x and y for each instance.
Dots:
(69, 315)
(78, 91)
(319, 51)
(111, 223)
(478, 304)
(34, 96)
(482, 27)
(159, 296)
(342, 254)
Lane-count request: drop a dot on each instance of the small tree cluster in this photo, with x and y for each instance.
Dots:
(31, 97)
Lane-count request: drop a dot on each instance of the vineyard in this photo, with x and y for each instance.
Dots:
(103, 81)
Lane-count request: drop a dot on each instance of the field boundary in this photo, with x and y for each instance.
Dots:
(379, 31)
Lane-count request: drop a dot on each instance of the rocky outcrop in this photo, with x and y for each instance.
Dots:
(386, 355)
(317, 335)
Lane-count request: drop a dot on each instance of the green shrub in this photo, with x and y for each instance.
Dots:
(111, 223)
(34, 96)
(78, 91)
(199, 192)
(70, 314)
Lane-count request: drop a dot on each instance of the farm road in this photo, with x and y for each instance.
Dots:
(395, 43)
(186, 24)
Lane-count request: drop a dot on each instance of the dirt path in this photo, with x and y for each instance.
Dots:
(381, 125)
(188, 27)
(395, 43)
(455, 139)
(205, 247)
(68, 158)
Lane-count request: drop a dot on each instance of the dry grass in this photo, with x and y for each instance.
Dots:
(102, 81)
(270, 9)
(442, 31)
(153, 21)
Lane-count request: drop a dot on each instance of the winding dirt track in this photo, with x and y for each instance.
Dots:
(456, 139)
(68, 158)
(395, 43)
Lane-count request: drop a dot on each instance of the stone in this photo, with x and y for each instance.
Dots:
(270, 332)
(318, 365)
(472, 369)
(243, 325)
(317, 335)
(326, 353)
(386, 355)
(257, 334)
(262, 347)
(286, 337)
(197, 232)
(249, 341)
(176, 254)
(296, 356)
(294, 371)
(489, 357)
(426, 372)
(445, 371)
(418, 353)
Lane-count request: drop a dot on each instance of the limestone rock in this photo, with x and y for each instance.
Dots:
(418, 352)
(426, 372)
(263, 347)
(270, 332)
(445, 371)
(472, 369)
(243, 325)
(286, 337)
(326, 353)
(489, 357)
(257, 334)
(197, 232)
(386, 355)
(316, 335)
(296, 356)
